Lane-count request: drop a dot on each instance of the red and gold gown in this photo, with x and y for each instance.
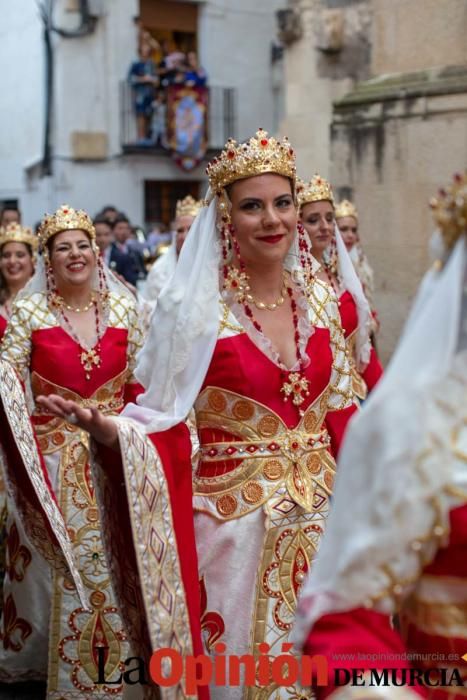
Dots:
(3, 509)
(47, 631)
(250, 514)
(426, 587)
(362, 382)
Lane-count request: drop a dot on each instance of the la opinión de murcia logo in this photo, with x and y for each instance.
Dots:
(168, 668)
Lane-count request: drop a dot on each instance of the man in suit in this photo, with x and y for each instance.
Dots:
(118, 261)
(122, 234)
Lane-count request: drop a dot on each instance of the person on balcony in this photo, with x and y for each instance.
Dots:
(172, 68)
(159, 120)
(143, 80)
(195, 75)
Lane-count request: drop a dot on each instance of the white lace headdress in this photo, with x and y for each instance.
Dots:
(67, 218)
(318, 189)
(352, 284)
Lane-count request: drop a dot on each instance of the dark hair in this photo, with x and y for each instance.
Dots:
(10, 207)
(101, 219)
(121, 217)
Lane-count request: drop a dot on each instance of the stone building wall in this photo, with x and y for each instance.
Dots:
(400, 135)
(387, 123)
(327, 51)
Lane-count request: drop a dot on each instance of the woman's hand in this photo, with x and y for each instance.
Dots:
(101, 428)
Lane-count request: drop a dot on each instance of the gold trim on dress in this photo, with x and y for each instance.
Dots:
(271, 455)
(61, 556)
(162, 600)
(56, 433)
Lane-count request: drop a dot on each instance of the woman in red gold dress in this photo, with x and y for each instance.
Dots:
(318, 217)
(348, 224)
(402, 549)
(164, 267)
(18, 248)
(73, 332)
(245, 336)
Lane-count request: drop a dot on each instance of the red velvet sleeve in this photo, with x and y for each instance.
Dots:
(373, 371)
(359, 639)
(336, 425)
(132, 391)
(174, 448)
(174, 451)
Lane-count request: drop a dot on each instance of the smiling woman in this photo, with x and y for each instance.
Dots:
(317, 213)
(18, 248)
(73, 332)
(244, 335)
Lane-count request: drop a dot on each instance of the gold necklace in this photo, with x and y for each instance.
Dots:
(262, 305)
(78, 310)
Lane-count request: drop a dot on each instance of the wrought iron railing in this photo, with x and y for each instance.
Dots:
(222, 119)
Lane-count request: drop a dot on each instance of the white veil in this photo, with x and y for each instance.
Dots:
(389, 475)
(161, 271)
(38, 282)
(353, 285)
(174, 360)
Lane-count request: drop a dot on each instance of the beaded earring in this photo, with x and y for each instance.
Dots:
(304, 247)
(103, 289)
(235, 279)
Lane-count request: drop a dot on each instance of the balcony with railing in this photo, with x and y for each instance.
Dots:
(220, 117)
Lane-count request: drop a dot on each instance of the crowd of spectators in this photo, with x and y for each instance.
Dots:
(150, 79)
(126, 249)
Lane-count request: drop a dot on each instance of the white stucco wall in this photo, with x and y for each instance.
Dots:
(21, 88)
(235, 48)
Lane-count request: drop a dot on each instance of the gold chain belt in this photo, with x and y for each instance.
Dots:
(292, 445)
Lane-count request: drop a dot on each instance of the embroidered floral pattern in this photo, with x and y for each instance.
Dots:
(15, 629)
(19, 556)
(211, 622)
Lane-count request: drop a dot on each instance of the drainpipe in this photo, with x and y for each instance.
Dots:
(86, 27)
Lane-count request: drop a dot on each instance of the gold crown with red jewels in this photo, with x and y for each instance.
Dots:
(317, 190)
(15, 233)
(346, 208)
(188, 206)
(260, 154)
(450, 210)
(65, 219)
